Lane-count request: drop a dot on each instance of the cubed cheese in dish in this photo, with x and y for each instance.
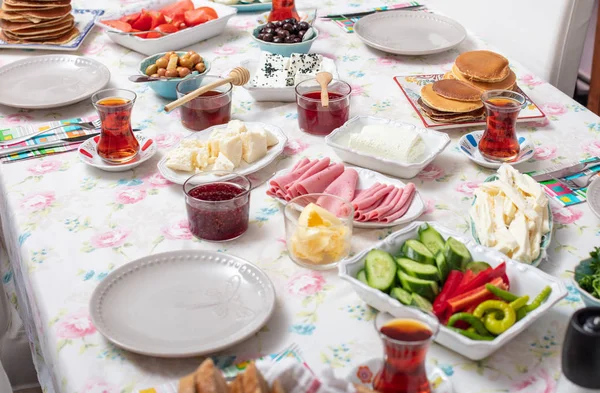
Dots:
(201, 157)
(254, 146)
(181, 159)
(271, 139)
(231, 147)
(394, 143)
(223, 163)
(272, 71)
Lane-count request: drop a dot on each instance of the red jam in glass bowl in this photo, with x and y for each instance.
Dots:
(218, 210)
(313, 117)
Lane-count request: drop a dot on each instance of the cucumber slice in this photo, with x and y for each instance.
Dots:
(401, 295)
(380, 269)
(431, 238)
(426, 288)
(457, 255)
(422, 303)
(415, 250)
(419, 270)
(442, 266)
(362, 276)
(477, 266)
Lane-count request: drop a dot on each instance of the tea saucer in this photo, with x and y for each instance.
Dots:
(364, 374)
(469, 146)
(88, 153)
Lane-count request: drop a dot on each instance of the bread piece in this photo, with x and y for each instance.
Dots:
(253, 381)
(209, 379)
(483, 66)
(187, 384)
(276, 387)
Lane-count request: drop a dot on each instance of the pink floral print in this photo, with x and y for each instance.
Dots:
(357, 90)
(130, 195)
(554, 109)
(38, 201)
(467, 187)
(44, 166)
(566, 215)
(306, 284)
(18, 118)
(113, 238)
(157, 180)
(178, 231)
(167, 140)
(531, 80)
(592, 147)
(96, 386)
(429, 207)
(227, 50)
(431, 172)
(540, 382)
(387, 61)
(545, 153)
(295, 146)
(76, 325)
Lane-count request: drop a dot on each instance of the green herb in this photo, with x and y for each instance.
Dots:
(591, 282)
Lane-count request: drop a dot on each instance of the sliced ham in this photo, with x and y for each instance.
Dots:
(365, 192)
(402, 206)
(297, 171)
(319, 166)
(361, 215)
(366, 200)
(343, 187)
(390, 201)
(320, 181)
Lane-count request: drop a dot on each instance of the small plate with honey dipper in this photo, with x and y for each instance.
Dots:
(452, 100)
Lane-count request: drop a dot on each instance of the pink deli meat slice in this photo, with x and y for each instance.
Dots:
(320, 181)
(344, 187)
(368, 200)
(362, 194)
(292, 189)
(297, 171)
(361, 215)
(403, 206)
(390, 201)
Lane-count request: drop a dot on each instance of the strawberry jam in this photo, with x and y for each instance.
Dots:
(218, 211)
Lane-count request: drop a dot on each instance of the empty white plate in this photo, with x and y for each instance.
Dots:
(593, 196)
(182, 303)
(42, 82)
(409, 32)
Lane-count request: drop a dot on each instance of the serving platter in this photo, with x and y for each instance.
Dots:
(179, 177)
(409, 32)
(411, 87)
(84, 21)
(182, 303)
(51, 81)
(366, 178)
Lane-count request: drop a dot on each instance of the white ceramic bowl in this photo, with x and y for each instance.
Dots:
(174, 41)
(524, 280)
(435, 141)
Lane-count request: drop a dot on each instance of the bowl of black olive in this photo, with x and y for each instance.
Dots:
(285, 37)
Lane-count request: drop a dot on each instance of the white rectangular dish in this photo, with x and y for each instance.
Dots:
(174, 41)
(280, 94)
(435, 141)
(524, 280)
(179, 177)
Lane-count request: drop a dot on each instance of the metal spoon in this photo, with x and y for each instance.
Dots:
(144, 78)
(324, 79)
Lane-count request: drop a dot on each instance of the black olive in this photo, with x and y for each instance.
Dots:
(261, 36)
(268, 30)
(290, 20)
(270, 25)
(277, 40)
(268, 38)
(301, 33)
(289, 40)
(297, 39)
(288, 26)
(303, 26)
(279, 23)
(283, 33)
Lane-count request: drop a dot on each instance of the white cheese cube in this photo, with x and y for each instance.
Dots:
(190, 143)
(223, 164)
(271, 72)
(181, 159)
(520, 232)
(231, 147)
(271, 139)
(213, 147)
(254, 146)
(201, 158)
(236, 127)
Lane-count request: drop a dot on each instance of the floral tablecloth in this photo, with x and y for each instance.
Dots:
(67, 225)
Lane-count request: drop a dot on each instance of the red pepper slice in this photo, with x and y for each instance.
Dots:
(452, 282)
(485, 277)
(467, 278)
(474, 296)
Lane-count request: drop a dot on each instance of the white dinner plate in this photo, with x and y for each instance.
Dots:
(252, 7)
(179, 177)
(469, 143)
(409, 32)
(182, 303)
(593, 196)
(366, 178)
(52, 81)
(88, 154)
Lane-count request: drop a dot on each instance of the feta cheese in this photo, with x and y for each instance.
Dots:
(271, 72)
(394, 143)
(201, 157)
(231, 147)
(237, 127)
(520, 232)
(190, 143)
(223, 163)
(181, 159)
(271, 139)
(254, 146)
(213, 147)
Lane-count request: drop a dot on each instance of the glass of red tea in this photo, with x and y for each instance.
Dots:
(210, 109)
(117, 143)
(218, 205)
(406, 339)
(499, 142)
(313, 117)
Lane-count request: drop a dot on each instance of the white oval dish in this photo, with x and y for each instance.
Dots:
(409, 32)
(88, 154)
(51, 81)
(174, 41)
(182, 303)
(366, 178)
(524, 279)
(469, 146)
(435, 141)
(180, 177)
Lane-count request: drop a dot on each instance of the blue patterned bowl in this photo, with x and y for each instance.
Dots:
(584, 269)
(167, 88)
(544, 243)
(469, 147)
(285, 50)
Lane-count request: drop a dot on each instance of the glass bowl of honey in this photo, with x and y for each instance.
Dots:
(313, 117)
(218, 205)
(209, 109)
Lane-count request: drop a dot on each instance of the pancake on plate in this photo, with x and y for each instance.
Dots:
(436, 101)
(16, 26)
(62, 39)
(451, 101)
(482, 66)
(453, 89)
(508, 83)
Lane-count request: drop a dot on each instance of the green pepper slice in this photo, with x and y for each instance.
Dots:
(471, 320)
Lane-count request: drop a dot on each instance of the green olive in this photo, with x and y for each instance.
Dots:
(186, 62)
(151, 69)
(183, 71)
(195, 58)
(190, 53)
(169, 54)
(161, 71)
(171, 74)
(200, 67)
(162, 62)
(155, 76)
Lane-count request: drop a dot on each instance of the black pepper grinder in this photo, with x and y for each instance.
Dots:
(581, 353)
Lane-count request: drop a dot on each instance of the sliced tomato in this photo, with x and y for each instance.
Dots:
(167, 28)
(157, 19)
(143, 35)
(144, 22)
(178, 8)
(117, 24)
(178, 21)
(199, 15)
(153, 34)
(131, 18)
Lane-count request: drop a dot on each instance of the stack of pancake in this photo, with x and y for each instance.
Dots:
(451, 101)
(37, 22)
(484, 70)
